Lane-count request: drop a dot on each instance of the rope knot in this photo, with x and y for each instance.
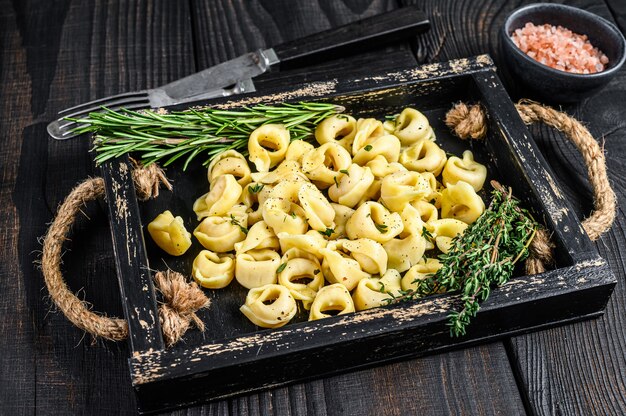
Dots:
(467, 122)
(181, 302)
(147, 180)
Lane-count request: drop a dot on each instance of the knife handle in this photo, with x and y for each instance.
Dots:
(354, 37)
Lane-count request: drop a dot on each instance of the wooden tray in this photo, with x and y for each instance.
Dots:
(233, 356)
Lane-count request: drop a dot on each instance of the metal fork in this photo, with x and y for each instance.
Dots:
(61, 128)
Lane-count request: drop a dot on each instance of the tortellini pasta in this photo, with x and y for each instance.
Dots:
(230, 162)
(341, 226)
(445, 230)
(256, 268)
(224, 194)
(330, 301)
(461, 202)
(267, 146)
(424, 156)
(323, 164)
(212, 271)
(372, 220)
(339, 129)
(351, 186)
(302, 275)
(411, 126)
(169, 233)
(373, 292)
(466, 170)
(269, 306)
(220, 234)
(420, 271)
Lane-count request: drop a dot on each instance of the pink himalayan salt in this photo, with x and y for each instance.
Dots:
(559, 48)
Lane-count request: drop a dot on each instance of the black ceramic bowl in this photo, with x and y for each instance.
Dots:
(559, 86)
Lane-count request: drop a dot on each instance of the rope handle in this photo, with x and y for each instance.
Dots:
(470, 122)
(181, 299)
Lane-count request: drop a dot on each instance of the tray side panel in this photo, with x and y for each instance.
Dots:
(131, 261)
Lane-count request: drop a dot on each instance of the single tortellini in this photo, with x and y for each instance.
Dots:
(288, 170)
(466, 170)
(339, 129)
(311, 242)
(283, 216)
(339, 267)
(366, 130)
(297, 149)
(461, 202)
(381, 167)
(224, 194)
(230, 162)
(259, 236)
(387, 146)
(420, 271)
(269, 306)
(268, 145)
(319, 213)
(256, 268)
(444, 231)
(351, 186)
(426, 211)
(374, 292)
(424, 156)
(372, 220)
(286, 190)
(302, 275)
(342, 215)
(169, 233)
(400, 188)
(411, 126)
(220, 234)
(370, 254)
(323, 164)
(212, 271)
(331, 300)
(408, 249)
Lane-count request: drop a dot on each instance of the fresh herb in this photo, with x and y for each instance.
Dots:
(483, 257)
(255, 189)
(382, 287)
(335, 179)
(426, 233)
(281, 267)
(293, 214)
(381, 227)
(368, 148)
(345, 171)
(189, 133)
(235, 221)
(316, 271)
(328, 232)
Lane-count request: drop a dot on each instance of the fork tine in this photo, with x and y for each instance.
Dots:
(60, 131)
(113, 104)
(102, 101)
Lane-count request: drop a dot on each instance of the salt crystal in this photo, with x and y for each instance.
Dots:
(559, 48)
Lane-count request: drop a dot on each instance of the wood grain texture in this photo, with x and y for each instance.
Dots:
(57, 54)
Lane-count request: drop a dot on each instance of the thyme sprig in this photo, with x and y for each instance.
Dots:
(482, 258)
(186, 134)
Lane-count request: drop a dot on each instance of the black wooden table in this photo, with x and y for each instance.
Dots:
(59, 53)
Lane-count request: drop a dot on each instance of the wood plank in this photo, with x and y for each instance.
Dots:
(225, 29)
(17, 351)
(580, 368)
(54, 56)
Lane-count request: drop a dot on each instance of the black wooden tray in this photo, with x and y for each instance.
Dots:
(233, 356)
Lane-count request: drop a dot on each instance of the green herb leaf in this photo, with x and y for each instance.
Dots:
(368, 148)
(255, 189)
(345, 171)
(281, 267)
(328, 232)
(381, 227)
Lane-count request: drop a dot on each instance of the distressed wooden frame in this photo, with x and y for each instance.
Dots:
(578, 288)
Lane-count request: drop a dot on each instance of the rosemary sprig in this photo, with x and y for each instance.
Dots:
(483, 257)
(186, 134)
